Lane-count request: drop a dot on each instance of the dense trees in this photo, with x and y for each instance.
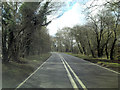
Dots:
(63, 40)
(24, 29)
(99, 36)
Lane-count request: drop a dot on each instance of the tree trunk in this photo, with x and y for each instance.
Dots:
(67, 50)
(106, 50)
(112, 49)
(15, 56)
(4, 53)
(4, 47)
(92, 52)
(79, 48)
(15, 51)
(93, 55)
(98, 48)
(84, 50)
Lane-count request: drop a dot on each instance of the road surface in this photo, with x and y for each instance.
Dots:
(66, 71)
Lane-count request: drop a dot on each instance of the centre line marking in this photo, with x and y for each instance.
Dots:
(80, 82)
(70, 77)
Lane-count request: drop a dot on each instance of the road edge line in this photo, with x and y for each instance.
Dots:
(32, 74)
(97, 65)
(105, 68)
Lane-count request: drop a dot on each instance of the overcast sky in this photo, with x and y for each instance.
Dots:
(73, 14)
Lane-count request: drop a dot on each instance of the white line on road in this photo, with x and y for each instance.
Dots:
(31, 74)
(99, 66)
(80, 82)
(70, 77)
(105, 68)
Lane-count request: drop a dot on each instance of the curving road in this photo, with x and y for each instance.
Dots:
(66, 71)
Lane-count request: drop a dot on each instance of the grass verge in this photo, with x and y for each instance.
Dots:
(114, 65)
(14, 73)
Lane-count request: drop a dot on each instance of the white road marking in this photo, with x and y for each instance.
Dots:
(100, 66)
(70, 77)
(31, 74)
(80, 82)
(106, 68)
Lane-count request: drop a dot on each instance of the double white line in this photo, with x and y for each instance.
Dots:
(66, 65)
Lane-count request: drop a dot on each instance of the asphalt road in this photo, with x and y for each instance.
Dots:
(66, 71)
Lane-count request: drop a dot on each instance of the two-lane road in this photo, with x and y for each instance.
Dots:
(66, 71)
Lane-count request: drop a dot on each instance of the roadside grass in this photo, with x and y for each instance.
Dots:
(109, 64)
(80, 56)
(114, 65)
(14, 73)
